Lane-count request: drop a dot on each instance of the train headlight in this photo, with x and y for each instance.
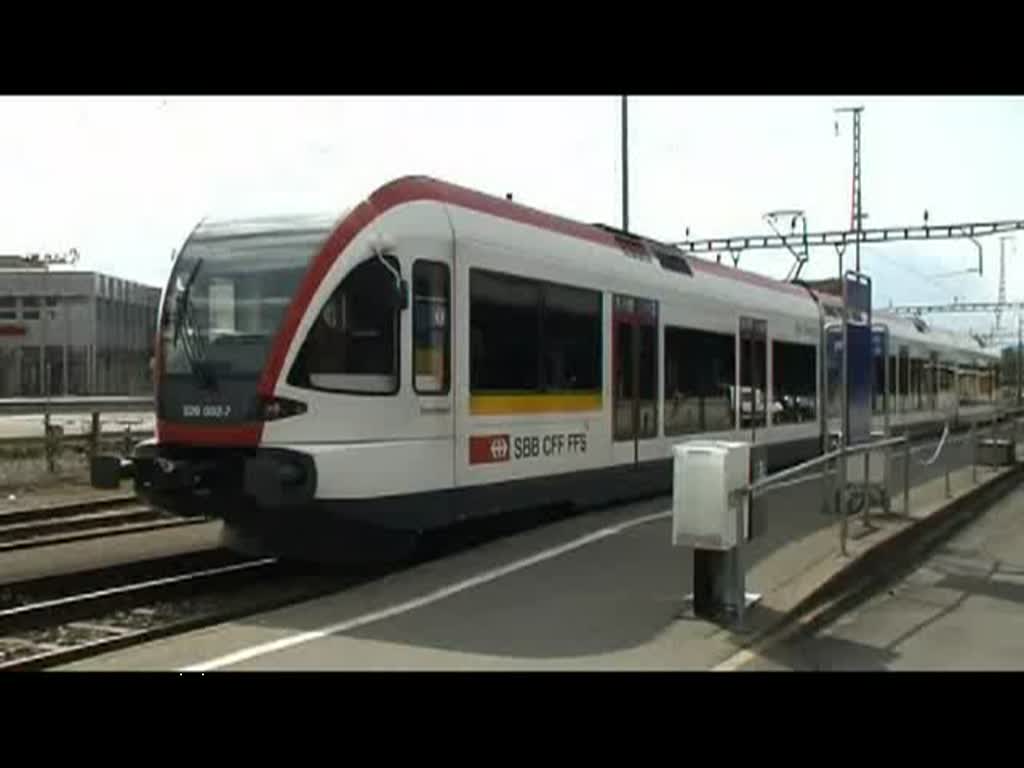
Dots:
(273, 408)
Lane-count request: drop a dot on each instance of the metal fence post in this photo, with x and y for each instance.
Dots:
(906, 475)
(866, 515)
(826, 505)
(974, 452)
(841, 474)
(949, 494)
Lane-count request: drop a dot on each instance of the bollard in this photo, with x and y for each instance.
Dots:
(906, 475)
(48, 444)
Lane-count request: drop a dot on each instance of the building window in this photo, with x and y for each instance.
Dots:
(30, 307)
(700, 372)
(531, 337)
(794, 385)
(431, 327)
(8, 308)
(353, 345)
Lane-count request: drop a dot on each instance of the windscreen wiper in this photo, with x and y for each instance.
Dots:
(182, 304)
(190, 341)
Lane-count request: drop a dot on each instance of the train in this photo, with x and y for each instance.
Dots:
(333, 385)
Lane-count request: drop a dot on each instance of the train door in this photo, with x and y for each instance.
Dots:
(634, 374)
(431, 355)
(753, 391)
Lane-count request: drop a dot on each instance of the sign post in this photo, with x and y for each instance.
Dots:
(857, 378)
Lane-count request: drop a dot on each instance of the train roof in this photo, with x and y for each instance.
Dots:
(669, 258)
(218, 228)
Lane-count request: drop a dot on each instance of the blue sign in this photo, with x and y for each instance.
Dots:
(858, 297)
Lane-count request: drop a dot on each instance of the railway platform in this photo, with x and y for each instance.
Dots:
(600, 591)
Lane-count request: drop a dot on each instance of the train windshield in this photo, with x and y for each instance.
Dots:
(227, 297)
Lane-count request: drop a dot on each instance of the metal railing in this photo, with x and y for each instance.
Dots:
(32, 406)
(996, 432)
(93, 406)
(824, 462)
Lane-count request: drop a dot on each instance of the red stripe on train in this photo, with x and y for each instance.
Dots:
(413, 188)
(213, 434)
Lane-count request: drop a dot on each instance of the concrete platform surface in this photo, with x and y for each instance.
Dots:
(604, 590)
(961, 610)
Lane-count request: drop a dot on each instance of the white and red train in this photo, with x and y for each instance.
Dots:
(434, 353)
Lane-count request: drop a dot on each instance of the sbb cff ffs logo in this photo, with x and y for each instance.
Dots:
(489, 449)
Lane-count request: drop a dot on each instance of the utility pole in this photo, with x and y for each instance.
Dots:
(1001, 298)
(1020, 356)
(855, 209)
(625, 166)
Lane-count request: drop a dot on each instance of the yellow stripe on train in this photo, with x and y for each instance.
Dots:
(568, 402)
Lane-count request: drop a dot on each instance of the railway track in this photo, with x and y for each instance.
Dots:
(81, 521)
(53, 621)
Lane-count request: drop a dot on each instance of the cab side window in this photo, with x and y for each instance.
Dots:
(354, 346)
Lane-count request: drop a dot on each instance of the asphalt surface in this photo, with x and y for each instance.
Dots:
(960, 610)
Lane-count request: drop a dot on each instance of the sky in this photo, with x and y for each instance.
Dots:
(124, 179)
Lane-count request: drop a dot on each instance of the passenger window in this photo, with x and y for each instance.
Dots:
(904, 370)
(700, 372)
(753, 372)
(533, 337)
(505, 340)
(353, 345)
(572, 339)
(430, 327)
(794, 387)
(916, 384)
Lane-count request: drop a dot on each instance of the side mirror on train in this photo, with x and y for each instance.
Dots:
(400, 297)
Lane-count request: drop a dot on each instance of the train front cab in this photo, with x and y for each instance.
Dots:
(357, 418)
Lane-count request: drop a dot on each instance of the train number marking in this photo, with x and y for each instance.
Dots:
(207, 411)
